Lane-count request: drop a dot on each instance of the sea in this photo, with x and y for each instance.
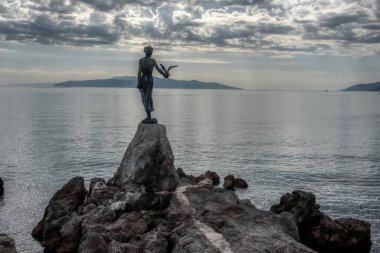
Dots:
(327, 143)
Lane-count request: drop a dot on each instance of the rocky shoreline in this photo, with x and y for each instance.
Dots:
(150, 206)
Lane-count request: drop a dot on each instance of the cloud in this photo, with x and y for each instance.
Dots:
(258, 26)
(45, 30)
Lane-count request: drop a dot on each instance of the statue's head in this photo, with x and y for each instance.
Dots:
(148, 50)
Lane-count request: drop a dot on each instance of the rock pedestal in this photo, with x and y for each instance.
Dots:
(148, 161)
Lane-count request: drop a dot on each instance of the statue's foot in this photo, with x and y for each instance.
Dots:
(149, 121)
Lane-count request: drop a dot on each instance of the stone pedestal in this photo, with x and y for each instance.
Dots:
(148, 162)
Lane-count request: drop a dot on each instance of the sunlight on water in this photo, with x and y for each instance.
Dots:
(327, 143)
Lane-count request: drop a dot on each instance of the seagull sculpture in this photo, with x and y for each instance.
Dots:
(170, 67)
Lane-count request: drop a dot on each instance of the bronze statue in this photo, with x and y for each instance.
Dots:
(145, 82)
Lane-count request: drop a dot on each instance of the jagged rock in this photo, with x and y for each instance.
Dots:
(148, 161)
(298, 203)
(210, 175)
(71, 233)
(217, 221)
(156, 242)
(319, 231)
(136, 201)
(181, 173)
(1, 187)
(101, 193)
(119, 206)
(100, 215)
(64, 202)
(240, 183)
(186, 179)
(190, 239)
(52, 235)
(93, 242)
(206, 183)
(117, 247)
(358, 229)
(93, 181)
(7, 244)
(229, 182)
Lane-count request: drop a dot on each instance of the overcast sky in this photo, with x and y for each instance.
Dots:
(293, 44)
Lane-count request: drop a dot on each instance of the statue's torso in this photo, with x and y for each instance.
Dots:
(147, 64)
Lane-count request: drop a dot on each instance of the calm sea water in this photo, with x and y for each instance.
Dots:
(324, 142)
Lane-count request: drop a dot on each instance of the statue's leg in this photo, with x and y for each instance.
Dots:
(149, 99)
(145, 101)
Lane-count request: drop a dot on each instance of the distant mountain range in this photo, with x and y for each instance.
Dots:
(364, 87)
(130, 82)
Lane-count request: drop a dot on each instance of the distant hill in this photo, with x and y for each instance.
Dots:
(364, 87)
(130, 82)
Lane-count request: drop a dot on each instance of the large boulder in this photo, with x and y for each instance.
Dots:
(212, 175)
(61, 206)
(148, 161)
(231, 183)
(319, 231)
(233, 225)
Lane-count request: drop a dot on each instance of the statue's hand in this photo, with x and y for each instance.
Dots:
(166, 75)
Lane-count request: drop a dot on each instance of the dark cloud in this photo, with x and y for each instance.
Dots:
(372, 26)
(240, 24)
(333, 20)
(52, 6)
(44, 30)
(108, 5)
(356, 27)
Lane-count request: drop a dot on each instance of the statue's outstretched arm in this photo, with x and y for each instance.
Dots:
(139, 77)
(160, 70)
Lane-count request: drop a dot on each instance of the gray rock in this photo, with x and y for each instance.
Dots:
(118, 206)
(189, 239)
(71, 233)
(206, 183)
(7, 244)
(64, 203)
(156, 242)
(180, 172)
(210, 175)
(240, 224)
(358, 229)
(319, 231)
(101, 193)
(186, 179)
(117, 247)
(93, 181)
(148, 161)
(93, 242)
(229, 182)
(240, 183)
(298, 203)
